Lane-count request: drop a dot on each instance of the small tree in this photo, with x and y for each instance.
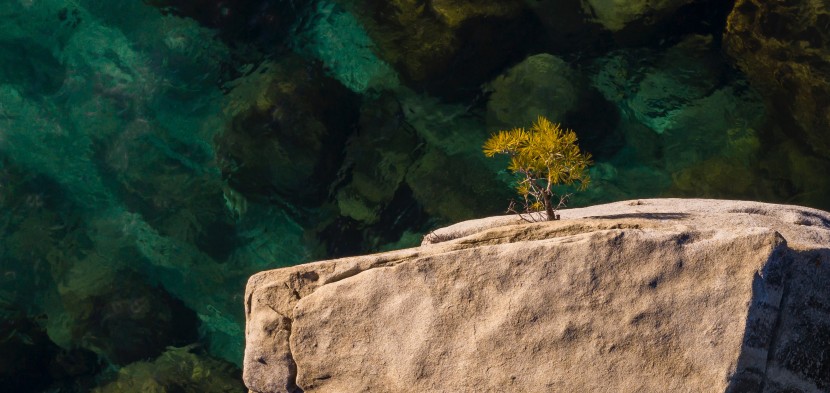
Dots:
(544, 156)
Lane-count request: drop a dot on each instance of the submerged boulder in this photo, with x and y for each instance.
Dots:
(541, 85)
(128, 322)
(633, 22)
(649, 295)
(377, 159)
(259, 21)
(178, 369)
(784, 48)
(615, 15)
(445, 45)
(447, 185)
(286, 115)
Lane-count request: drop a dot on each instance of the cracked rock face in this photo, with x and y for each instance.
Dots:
(651, 295)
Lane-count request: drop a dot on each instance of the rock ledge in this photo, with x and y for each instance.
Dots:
(650, 295)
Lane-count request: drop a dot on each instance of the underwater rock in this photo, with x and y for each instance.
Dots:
(546, 85)
(35, 70)
(126, 320)
(724, 123)
(285, 139)
(615, 15)
(449, 187)
(445, 45)
(30, 362)
(595, 26)
(783, 47)
(656, 86)
(695, 109)
(345, 236)
(377, 160)
(163, 179)
(182, 369)
(721, 164)
(794, 172)
(253, 31)
(372, 203)
(335, 37)
(541, 85)
(250, 21)
(453, 180)
(717, 177)
(567, 26)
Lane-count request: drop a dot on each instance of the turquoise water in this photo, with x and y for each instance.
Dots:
(153, 155)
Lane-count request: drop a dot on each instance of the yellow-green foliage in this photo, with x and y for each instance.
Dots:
(544, 155)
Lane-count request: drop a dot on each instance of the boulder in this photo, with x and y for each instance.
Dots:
(592, 27)
(445, 45)
(258, 21)
(286, 115)
(541, 85)
(178, 369)
(649, 295)
(444, 185)
(782, 46)
(615, 15)
(377, 159)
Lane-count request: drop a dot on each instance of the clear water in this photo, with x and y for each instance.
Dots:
(140, 183)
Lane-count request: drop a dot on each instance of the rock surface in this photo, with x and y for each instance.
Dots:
(649, 295)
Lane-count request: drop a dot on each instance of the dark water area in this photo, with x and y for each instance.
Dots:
(155, 154)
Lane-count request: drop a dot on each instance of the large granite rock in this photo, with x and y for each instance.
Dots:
(651, 295)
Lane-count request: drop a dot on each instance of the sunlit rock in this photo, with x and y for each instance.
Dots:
(645, 295)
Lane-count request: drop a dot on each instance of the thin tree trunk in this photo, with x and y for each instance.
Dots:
(549, 206)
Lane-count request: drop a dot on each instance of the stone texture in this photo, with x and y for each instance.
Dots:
(650, 295)
(784, 48)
